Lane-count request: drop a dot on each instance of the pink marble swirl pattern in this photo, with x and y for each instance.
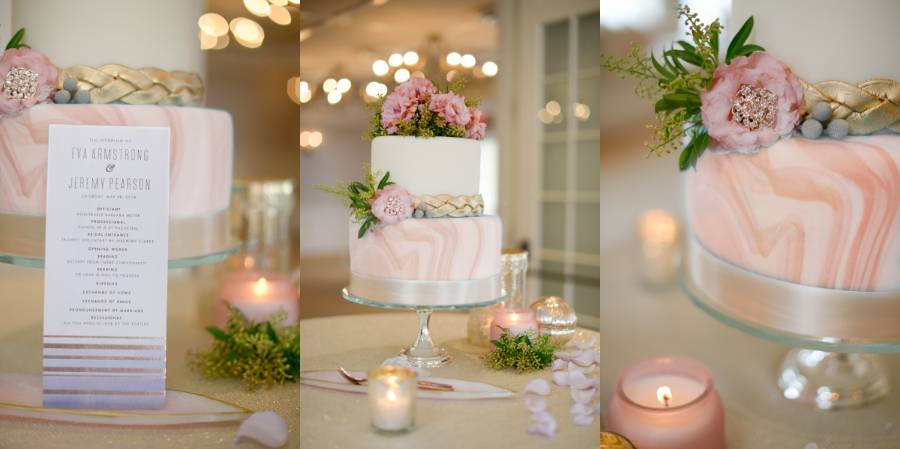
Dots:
(429, 249)
(820, 212)
(201, 153)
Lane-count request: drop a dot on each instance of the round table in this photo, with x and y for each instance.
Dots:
(191, 298)
(334, 419)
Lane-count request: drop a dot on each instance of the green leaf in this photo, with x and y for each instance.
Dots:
(16, 40)
(688, 57)
(659, 68)
(270, 331)
(684, 159)
(687, 47)
(747, 50)
(739, 39)
(384, 181)
(714, 44)
(675, 62)
(363, 228)
(218, 334)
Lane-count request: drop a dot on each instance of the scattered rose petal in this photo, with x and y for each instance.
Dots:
(582, 369)
(561, 378)
(583, 396)
(535, 404)
(546, 430)
(583, 420)
(578, 380)
(811, 445)
(585, 345)
(562, 355)
(538, 386)
(543, 417)
(559, 364)
(585, 358)
(579, 408)
(266, 428)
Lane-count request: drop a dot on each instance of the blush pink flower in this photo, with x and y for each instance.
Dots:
(450, 107)
(392, 204)
(25, 63)
(402, 103)
(477, 126)
(759, 70)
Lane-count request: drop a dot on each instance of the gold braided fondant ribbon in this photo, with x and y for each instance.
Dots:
(868, 107)
(456, 206)
(114, 83)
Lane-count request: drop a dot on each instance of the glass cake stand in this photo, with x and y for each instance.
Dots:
(825, 372)
(423, 353)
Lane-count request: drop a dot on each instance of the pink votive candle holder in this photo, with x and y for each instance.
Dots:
(518, 321)
(258, 296)
(668, 403)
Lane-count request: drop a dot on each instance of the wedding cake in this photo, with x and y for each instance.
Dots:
(418, 236)
(789, 137)
(130, 72)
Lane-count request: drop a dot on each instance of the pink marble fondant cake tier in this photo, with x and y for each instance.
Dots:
(822, 212)
(429, 249)
(201, 153)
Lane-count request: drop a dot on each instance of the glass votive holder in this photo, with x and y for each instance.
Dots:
(555, 318)
(392, 398)
(517, 321)
(660, 237)
(668, 403)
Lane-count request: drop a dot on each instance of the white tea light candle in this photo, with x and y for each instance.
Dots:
(392, 398)
(660, 237)
(258, 296)
(518, 321)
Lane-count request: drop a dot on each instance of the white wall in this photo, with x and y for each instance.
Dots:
(5, 21)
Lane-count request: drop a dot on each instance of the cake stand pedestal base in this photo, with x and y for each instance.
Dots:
(423, 353)
(832, 380)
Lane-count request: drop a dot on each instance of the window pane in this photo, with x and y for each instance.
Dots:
(556, 47)
(587, 228)
(553, 225)
(554, 166)
(589, 41)
(554, 113)
(552, 278)
(588, 169)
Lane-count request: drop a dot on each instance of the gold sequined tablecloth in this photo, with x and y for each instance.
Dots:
(191, 293)
(332, 419)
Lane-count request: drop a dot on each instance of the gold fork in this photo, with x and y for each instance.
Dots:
(423, 384)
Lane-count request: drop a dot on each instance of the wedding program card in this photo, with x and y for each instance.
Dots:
(106, 266)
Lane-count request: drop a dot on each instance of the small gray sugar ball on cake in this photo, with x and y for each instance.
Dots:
(82, 97)
(837, 128)
(821, 111)
(811, 128)
(62, 97)
(71, 85)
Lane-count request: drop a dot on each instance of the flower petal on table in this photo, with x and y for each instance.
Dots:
(266, 428)
(538, 386)
(583, 420)
(583, 396)
(561, 378)
(535, 404)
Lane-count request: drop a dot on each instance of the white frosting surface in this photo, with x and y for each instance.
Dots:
(827, 39)
(429, 166)
(135, 33)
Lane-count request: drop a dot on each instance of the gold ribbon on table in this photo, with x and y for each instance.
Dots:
(456, 206)
(868, 107)
(787, 307)
(409, 293)
(114, 83)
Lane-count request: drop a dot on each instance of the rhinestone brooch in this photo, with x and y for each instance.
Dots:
(754, 107)
(20, 83)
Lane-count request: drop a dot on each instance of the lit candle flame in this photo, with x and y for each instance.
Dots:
(391, 395)
(249, 262)
(664, 395)
(261, 287)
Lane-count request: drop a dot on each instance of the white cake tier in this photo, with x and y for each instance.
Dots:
(135, 33)
(827, 39)
(429, 166)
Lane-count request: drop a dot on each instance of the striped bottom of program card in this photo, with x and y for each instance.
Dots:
(88, 372)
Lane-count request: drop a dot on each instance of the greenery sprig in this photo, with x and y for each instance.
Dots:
(358, 196)
(675, 80)
(17, 40)
(424, 123)
(261, 354)
(523, 352)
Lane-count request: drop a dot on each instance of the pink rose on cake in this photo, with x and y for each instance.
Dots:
(753, 101)
(26, 79)
(477, 126)
(450, 107)
(392, 204)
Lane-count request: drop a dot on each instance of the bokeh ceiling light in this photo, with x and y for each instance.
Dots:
(489, 68)
(410, 58)
(207, 42)
(222, 42)
(213, 24)
(294, 2)
(305, 93)
(259, 8)
(582, 111)
(305, 34)
(380, 67)
(334, 97)
(468, 61)
(454, 58)
(378, 2)
(247, 32)
(280, 15)
(375, 89)
(329, 85)
(315, 139)
(304, 138)
(401, 75)
(395, 60)
(553, 107)
(279, 2)
(343, 85)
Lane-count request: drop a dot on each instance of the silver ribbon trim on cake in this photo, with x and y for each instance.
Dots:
(802, 310)
(409, 293)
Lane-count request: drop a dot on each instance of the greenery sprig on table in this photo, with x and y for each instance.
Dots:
(261, 354)
(358, 196)
(675, 88)
(523, 352)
